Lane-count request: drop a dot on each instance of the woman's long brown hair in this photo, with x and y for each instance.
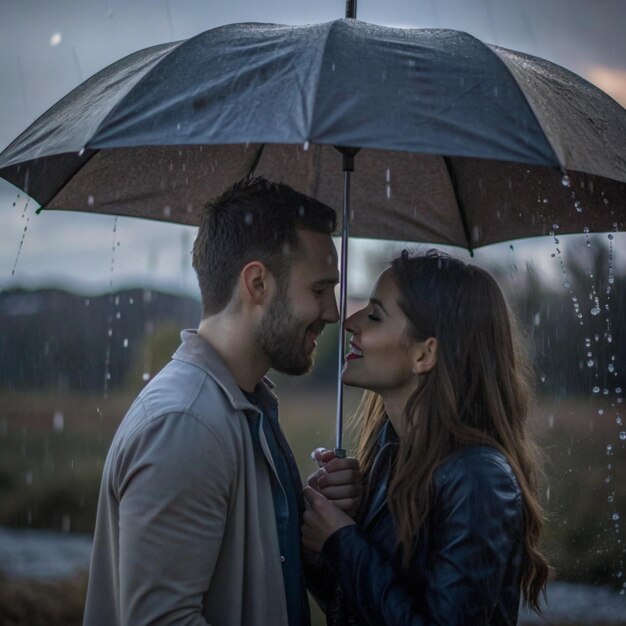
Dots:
(478, 393)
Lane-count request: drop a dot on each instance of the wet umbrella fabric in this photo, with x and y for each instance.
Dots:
(443, 122)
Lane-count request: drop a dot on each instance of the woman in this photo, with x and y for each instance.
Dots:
(449, 526)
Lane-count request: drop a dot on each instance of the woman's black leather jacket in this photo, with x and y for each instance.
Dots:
(466, 568)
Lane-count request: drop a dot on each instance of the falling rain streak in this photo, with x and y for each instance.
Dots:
(107, 362)
(17, 256)
(602, 387)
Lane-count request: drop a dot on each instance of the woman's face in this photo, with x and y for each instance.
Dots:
(382, 356)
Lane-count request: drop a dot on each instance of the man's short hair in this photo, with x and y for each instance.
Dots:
(254, 220)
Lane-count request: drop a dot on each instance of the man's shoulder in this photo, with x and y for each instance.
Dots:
(182, 387)
(183, 391)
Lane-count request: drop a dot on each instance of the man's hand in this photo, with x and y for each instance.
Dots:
(321, 519)
(338, 480)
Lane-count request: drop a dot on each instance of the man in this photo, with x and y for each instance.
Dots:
(199, 511)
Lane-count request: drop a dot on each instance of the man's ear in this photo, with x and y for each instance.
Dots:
(256, 282)
(425, 356)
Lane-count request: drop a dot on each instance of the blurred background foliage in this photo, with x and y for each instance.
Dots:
(70, 366)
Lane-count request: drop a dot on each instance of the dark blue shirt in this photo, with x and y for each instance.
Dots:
(286, 489)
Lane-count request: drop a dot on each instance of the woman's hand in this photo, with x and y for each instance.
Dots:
(321, 519)
(337, 479)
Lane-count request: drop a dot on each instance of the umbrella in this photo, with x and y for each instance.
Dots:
(451, 140)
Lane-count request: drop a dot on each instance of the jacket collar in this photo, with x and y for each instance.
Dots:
(199, 352)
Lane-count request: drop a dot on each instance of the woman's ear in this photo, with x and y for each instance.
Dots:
(425, 356)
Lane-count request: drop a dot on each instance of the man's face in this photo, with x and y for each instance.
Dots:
(300, 309)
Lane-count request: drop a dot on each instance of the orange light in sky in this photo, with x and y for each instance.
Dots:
(610, 80)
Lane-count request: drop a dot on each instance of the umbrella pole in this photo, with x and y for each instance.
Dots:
(351, 9)
(348, 168)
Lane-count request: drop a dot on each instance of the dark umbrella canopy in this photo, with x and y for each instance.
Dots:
(444, 122)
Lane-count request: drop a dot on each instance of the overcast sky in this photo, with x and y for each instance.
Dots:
(50, 46)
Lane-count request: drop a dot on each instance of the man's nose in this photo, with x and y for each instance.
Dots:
(330, 314)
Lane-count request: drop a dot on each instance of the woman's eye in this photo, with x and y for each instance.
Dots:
(374, 317)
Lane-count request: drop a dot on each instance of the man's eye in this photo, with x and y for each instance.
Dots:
(319, 291)
(374, 317)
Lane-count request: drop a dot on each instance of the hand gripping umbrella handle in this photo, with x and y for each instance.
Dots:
(348, 168)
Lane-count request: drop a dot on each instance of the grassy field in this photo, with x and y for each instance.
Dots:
(53, 445)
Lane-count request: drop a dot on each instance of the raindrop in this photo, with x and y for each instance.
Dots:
(305, 147)
(56, 39)
(609, 449)
(565, 181)
(125, 343)
(586, 230)
(58, 422)
(605, 392)
(247, 218)
(610, 236)
(622, 435)
(600, 411)
(618, 390)
(615, 517)
(610, 499)
(595, 311)
(146, 376)
(578, 206)
(611, 367)
(90, 200)
(81, 152)
(167, 211)
(596, 389)
(590, 363)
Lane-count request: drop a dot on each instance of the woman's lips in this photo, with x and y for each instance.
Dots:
(355, 353)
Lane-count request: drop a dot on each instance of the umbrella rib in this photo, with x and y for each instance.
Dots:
(255, 161)
(457, 197)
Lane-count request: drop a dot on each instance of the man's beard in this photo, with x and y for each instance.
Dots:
(281, 337)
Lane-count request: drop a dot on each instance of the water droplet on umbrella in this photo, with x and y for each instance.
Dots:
(590, 363)
(125, 343)
(56, 39)
(622, 435)
(305, 147)
(578, 206)
(596, 389)
(81, 152)
(615, 517)
(565, 181)
(595, 311)
(145, 376)
(610, 236)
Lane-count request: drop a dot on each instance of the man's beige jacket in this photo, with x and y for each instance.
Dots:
(186, 531)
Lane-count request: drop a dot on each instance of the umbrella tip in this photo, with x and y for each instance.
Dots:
(351, 9)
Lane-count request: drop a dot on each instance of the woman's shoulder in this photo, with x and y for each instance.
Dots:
(478, 467)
